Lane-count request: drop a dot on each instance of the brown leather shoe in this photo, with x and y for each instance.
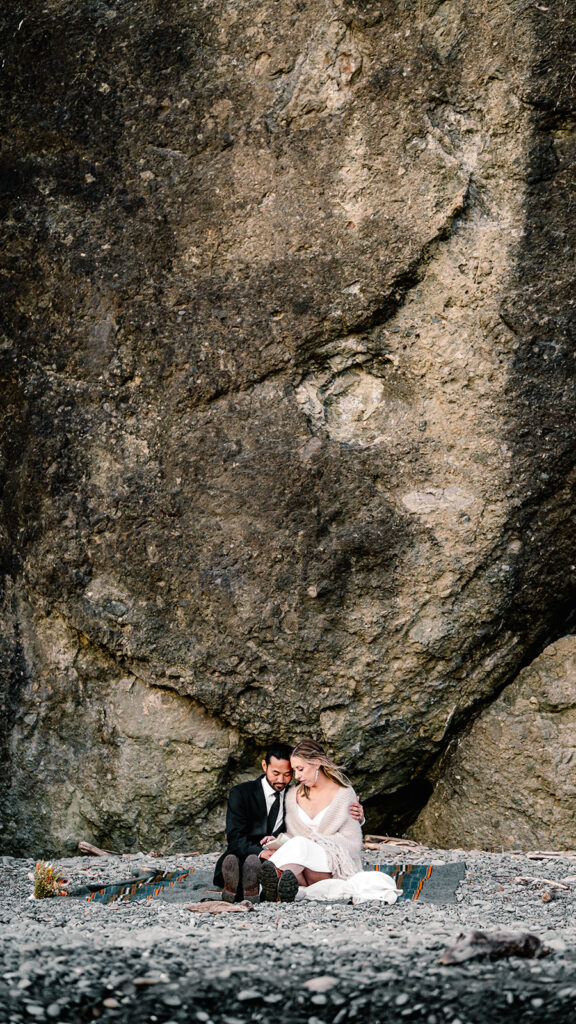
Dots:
(250, 869)
(231, 876)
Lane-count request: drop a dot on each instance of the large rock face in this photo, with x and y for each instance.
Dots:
(510, 781)
(289, 403)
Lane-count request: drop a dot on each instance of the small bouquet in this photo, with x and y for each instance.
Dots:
(47, 881)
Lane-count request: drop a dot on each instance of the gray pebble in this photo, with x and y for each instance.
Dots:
(171, 999)
(248, 995)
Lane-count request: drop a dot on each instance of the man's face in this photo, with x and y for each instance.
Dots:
(278, 773)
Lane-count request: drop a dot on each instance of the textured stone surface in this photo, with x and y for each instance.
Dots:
(288, 426)
(510, 781)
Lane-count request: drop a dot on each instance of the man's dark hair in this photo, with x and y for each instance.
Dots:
(279, 750)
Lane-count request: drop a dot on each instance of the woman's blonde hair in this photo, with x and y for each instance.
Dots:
(311, 751)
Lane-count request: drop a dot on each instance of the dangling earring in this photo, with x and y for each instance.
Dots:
(316, 776)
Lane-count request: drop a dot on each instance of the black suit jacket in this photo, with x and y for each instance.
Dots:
(246, 823)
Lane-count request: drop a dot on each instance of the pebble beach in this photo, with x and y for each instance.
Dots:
(70, 960)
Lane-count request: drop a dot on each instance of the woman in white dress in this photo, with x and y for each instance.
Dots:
(325, 840)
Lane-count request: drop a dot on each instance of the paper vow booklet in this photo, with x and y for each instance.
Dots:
(277, 842)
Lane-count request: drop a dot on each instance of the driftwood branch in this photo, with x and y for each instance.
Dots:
(537, 882)
(95, 851)
(494, 945)
(372, 842)
(216, 907)
(551, 854)
(391, 839)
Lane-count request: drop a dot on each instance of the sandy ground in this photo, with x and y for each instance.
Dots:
(67, 961)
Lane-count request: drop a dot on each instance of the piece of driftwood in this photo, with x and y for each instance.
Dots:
(495, 945)
(95, 851)
(535, 883)
(379, 842)
(218, 907)
(551, 854)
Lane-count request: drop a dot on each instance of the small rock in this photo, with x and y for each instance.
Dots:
(27, 967)
(322, 983)
(171, 999)
(402, 999)
(557, 944)
(248, 994)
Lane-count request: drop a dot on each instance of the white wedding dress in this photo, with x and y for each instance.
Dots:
(300, 850)
(361, 887)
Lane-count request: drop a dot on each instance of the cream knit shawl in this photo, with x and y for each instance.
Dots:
(339, 835)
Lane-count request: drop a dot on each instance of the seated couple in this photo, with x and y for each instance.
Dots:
(319, 820)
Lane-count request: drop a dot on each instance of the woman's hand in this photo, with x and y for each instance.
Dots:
(265, 855)
(357, 812)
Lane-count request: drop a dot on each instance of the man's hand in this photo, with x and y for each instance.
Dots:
(357, 812)
(266, 840)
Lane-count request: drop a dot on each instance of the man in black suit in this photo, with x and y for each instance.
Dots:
(254, 815)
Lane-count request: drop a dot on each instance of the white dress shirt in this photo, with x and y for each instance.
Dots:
(269, 794)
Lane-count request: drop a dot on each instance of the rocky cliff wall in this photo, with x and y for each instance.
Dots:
(288, 419)
(510, 780)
